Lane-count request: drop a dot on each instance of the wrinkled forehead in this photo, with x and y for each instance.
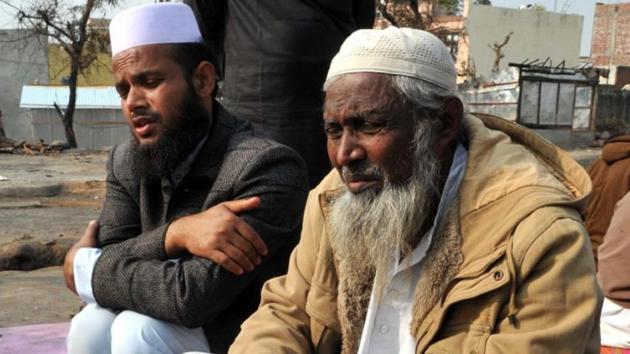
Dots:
(357, 93)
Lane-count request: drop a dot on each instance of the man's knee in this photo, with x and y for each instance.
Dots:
(135, 333)
(90, 330)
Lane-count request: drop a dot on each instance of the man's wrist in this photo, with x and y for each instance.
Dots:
(173, 243)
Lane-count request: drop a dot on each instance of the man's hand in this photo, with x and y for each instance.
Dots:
(220, 235)
(88, 240)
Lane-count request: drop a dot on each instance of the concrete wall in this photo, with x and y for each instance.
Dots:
(94, 128)
(23, 60)
(537, 35)
(611, 35)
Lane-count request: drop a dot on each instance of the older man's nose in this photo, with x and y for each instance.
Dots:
(349, 150)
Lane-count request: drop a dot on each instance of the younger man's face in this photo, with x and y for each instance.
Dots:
(165, 114)
(153, 91)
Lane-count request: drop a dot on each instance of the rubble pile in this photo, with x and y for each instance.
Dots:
(9, 146)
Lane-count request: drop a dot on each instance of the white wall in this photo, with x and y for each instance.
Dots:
(537, 35)
(23, 60)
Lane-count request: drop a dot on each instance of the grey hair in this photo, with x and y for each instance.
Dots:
(427, 100)
(421, 94)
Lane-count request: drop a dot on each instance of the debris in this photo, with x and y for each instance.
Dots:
(3, 178)
(29, 148)
(33, 254)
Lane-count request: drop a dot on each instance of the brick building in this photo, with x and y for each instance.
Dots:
(610, 47)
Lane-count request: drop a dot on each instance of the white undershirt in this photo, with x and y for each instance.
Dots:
(387, 326)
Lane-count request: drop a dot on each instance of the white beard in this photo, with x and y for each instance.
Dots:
(370, 229)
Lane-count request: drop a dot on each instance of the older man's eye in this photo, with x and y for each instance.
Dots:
(372, 127)
(333, 131)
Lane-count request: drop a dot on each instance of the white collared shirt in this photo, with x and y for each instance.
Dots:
(387, 326)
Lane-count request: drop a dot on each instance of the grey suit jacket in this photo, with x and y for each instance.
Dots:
(133, 271)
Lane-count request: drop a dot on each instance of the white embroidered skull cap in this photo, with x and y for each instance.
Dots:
(396, 51)
(159, 23)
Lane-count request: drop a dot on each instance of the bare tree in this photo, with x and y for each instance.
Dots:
(497, 49)
(416, 13)
(67, 25)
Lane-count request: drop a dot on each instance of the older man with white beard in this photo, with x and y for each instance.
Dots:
(439, 231)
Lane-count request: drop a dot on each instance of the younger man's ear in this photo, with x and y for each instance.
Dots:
(203, 79)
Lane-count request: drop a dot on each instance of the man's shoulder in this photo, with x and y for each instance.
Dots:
(120, 161)
(246, 148)
(251, 159)
(243, 143)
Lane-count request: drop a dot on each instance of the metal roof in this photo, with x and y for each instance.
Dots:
(40, 96)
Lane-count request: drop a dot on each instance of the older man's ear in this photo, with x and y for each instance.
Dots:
(452, 117)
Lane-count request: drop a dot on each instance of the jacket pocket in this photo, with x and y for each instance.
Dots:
(472, 308)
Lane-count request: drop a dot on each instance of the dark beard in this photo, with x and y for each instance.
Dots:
(178, 140)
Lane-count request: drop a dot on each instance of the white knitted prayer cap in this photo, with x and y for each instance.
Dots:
(153, 24)
(396, 51)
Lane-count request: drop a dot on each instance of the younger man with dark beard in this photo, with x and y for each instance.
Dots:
(176, 269)
(439, 231)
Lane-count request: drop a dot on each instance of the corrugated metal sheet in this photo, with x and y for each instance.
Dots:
(102, 97)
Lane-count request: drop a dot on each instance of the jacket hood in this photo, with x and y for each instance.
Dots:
(512, 158)
(511, 173)
(616, 149)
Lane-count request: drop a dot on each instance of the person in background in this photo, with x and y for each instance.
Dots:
(198, 212)
(274, 56)
(611, 181)
(614, 276)
(2, 133)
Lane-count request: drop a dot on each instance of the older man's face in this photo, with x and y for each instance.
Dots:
(369, 132)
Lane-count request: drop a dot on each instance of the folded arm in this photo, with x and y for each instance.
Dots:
(136, 274)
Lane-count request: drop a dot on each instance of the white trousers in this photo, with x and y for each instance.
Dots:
(98, 330)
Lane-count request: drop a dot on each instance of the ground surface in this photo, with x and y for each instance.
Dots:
(48, 199)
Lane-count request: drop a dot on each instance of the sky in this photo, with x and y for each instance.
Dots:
(579, 7)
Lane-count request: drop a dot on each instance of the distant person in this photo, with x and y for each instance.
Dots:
(198, 213)
(614, 276)
(274, 56)
(611, 181)
(2, 133)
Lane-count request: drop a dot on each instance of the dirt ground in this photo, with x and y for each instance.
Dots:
(49, 198)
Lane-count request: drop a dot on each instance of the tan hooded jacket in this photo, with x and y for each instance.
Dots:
(511, 272)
